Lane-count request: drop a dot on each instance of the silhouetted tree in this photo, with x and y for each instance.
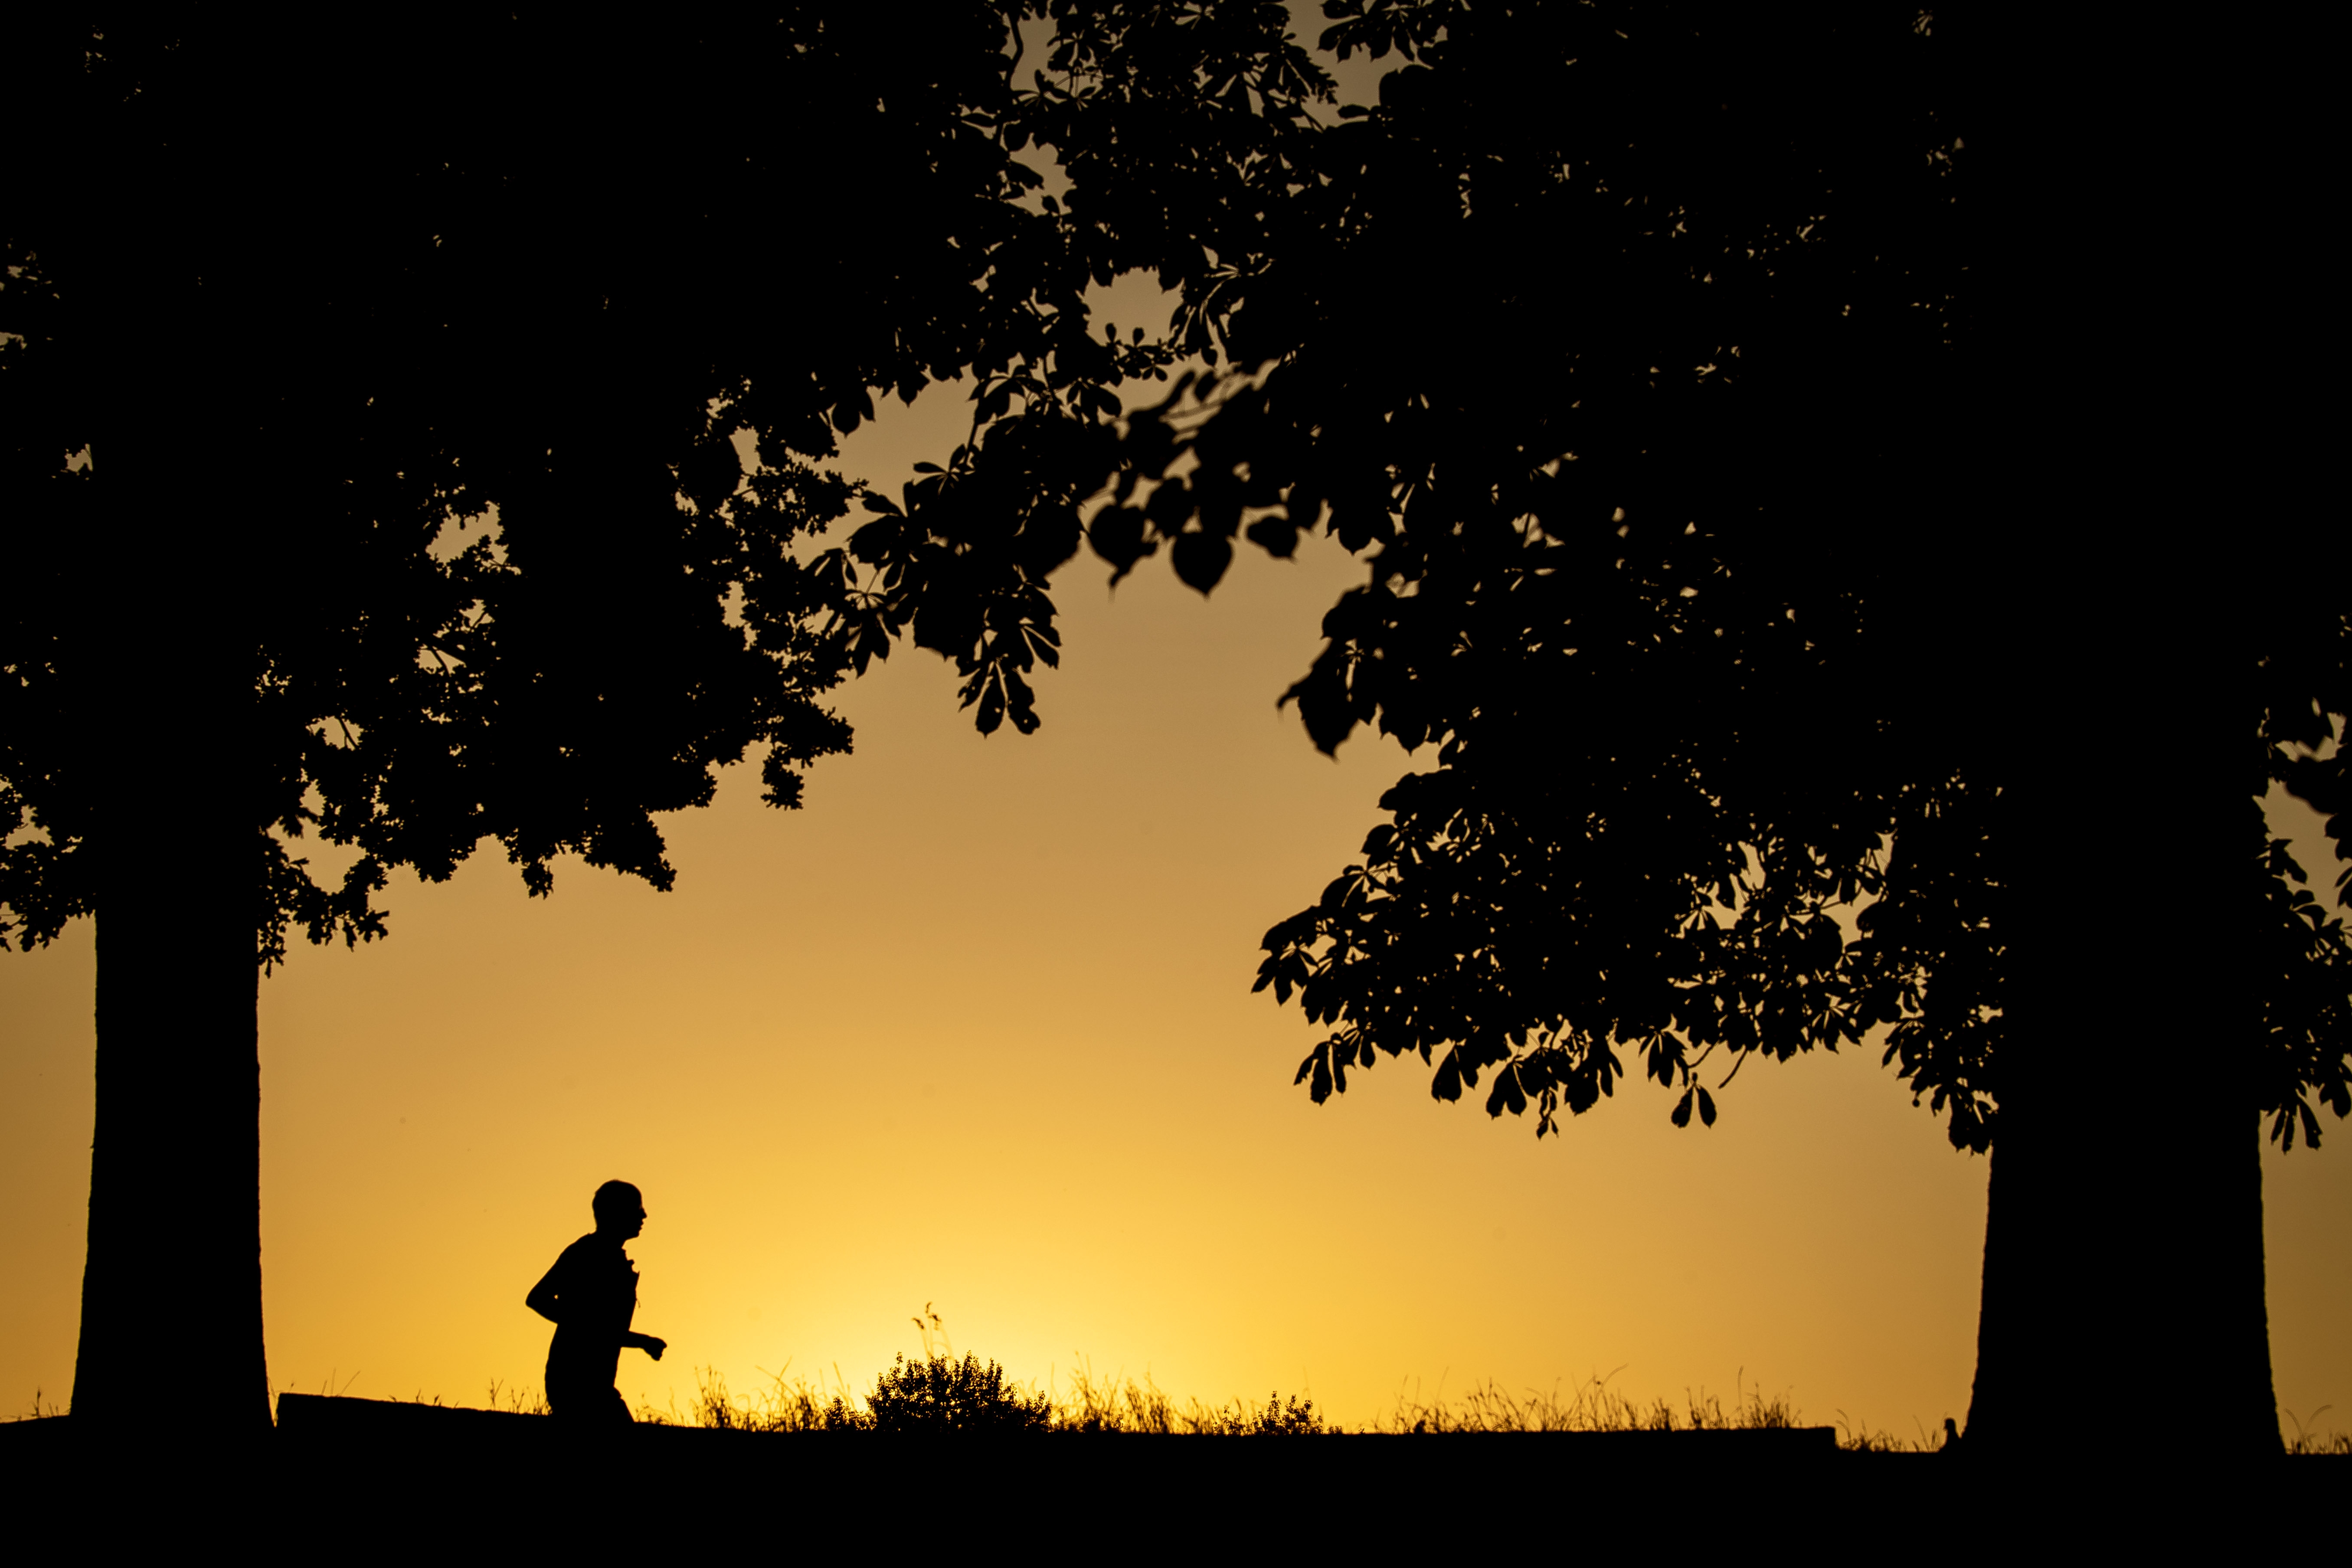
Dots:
(412, 428)
(1808, 562)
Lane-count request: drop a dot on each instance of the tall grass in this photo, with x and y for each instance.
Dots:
(1125, 1405)
(1591, 1406)
(788, 1404)
(1594, 1406)
(2322, 1441)
(517, 1398)
(44, 1409)
(942, 1394)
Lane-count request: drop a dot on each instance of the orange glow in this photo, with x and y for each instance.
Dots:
(974, 1028)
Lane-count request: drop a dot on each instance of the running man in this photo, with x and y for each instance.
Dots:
(590, 1296)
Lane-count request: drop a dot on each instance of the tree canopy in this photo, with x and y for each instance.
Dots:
(1631, 344)
(452, 469)
(415, 435)
(1688, 376)
(489, 339)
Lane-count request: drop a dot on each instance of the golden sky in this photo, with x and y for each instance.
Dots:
(974, 1029)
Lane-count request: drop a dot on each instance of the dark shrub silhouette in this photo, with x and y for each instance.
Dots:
(939, 1393)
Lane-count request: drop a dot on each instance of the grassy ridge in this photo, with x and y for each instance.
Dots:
(940, 1392)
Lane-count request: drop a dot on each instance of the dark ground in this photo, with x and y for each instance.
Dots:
(360, 1478)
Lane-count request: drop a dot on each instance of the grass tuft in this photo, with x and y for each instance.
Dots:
(1124, 1405)
(2323, 1441)
(43, 1409)
(939, 1392)
(1594, 1407)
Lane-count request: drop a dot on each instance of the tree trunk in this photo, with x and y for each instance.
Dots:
(2123, 1270)
(172, 1286)
(170, 1302)
(164, 238)
(2111, 606)
(2123, 1305)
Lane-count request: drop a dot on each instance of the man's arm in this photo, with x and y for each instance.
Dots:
(645, 1342)
(544, 1299)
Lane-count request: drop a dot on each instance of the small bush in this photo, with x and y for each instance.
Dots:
(939, 1393)
(1292, 1418)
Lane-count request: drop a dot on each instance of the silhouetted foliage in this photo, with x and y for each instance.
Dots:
(1693, 379)
(415, 434)
(1179, 127)
(1586, 592)
(939, 1393)
(561, 402)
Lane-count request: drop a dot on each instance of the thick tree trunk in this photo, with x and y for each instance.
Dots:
(164, 238)
(2124, 1305)
(2123, 1270)
(171, 1305)
(171, 1287)
(2109, 610)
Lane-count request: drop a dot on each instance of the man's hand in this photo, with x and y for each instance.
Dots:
(651, 1346)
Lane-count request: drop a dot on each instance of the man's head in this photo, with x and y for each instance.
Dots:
(620, 1210)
